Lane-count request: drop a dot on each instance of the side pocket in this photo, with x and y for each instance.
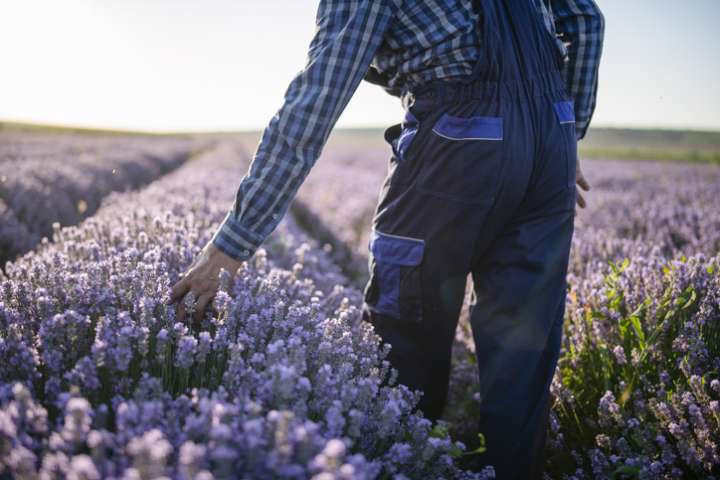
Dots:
(565, 113)
(394, 288)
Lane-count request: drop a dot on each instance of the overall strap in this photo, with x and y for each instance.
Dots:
(514, 41)
(487, 63)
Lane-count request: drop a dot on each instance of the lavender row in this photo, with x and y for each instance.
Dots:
(637, 386)
(14, 235)
(44, 179)
(20, 146)
(282, 380)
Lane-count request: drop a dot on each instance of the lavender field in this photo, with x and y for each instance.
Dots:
(283, 379)
(46, 179)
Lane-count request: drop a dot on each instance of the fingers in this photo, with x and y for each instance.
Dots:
(580, 176)
(201, 305)
(188, 287)
(187, 306)
(180, 317)
(582, 182)
(180, 289)
(580, 200)
(201, 281)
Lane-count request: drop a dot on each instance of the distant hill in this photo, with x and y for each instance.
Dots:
(17, 127)
(675, 145)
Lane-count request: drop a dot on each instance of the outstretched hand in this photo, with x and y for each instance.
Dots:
(582, 183)
(202, 280)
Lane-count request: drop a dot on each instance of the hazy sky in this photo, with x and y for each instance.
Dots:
(225, 64)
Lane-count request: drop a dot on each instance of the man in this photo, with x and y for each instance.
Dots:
(481, 181)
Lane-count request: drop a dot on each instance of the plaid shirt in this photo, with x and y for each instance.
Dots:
(397, 44)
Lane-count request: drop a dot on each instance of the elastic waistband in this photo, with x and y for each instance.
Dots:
(442, 91)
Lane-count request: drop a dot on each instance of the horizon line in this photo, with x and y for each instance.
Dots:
(19, 124)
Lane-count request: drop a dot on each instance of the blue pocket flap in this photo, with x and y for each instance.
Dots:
(469, 128)
(396, 249)
(565, 111)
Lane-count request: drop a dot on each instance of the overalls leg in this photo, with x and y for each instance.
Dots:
(519, 274)
(418, 272)
(517, 323)
(420, 250)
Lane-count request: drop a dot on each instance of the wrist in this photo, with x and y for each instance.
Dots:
(218, 248)
(235, 241)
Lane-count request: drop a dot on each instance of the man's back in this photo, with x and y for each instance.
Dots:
(397, 44)
(481, 180)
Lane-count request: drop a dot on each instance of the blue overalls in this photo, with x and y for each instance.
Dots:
(482, 181)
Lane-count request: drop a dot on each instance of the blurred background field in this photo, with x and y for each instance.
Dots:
(615, 143)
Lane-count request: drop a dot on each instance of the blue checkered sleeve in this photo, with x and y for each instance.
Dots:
(347, 35)
(582, 26)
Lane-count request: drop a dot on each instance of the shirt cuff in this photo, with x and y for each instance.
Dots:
(235, 240)
(580, 130)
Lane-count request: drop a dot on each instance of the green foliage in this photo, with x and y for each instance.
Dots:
(589, 367)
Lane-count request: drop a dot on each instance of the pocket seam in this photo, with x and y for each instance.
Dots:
(469, 128)
(466, 138)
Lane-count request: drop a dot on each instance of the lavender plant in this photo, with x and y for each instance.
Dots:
(282, 379)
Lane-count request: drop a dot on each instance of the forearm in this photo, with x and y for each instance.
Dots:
(264, 194)
(348, 34)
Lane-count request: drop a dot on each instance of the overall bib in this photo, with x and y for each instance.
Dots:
(482, 181)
